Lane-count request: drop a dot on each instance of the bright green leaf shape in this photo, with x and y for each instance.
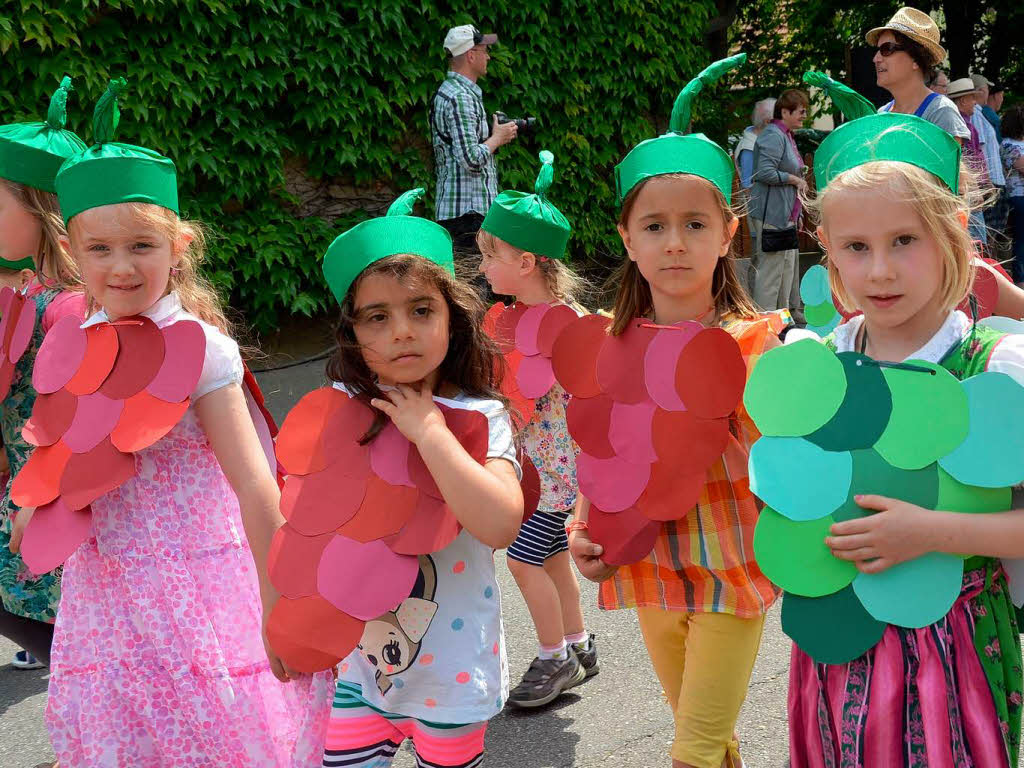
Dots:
(833, 629)
(794, 556)
(929, 415)
(820, 314)
(913, 594)
(992, 455)
(865, 411)
(794, 389)
(874, 475)
(799, 479)
(955, 496)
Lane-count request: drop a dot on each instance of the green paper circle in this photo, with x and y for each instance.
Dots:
(913, 594)
(820, 314)
(794, 556)
(874, 475)
(929, 415)
(992, 455)
(794, 389)
(865, 411)
(833, 629)
(955, 496)
(797, 478)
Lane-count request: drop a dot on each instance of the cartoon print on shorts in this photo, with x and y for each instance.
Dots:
(391, 642)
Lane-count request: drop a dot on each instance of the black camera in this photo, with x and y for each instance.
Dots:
(523, 124)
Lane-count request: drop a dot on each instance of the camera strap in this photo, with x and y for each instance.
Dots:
(434, 126)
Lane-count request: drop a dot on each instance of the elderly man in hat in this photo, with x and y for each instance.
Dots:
(908, 51)
(995, 214)
(464, 144)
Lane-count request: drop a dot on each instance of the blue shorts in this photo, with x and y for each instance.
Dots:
(541, 537)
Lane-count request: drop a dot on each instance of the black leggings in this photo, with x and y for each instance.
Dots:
(34, 636)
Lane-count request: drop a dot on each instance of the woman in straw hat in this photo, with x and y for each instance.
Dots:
(907, 52)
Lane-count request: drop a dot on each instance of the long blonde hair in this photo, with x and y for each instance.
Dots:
(941, 211)
(196, 293)
(54, 267)
(633, 298)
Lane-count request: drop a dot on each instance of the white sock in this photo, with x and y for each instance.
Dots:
(582, 640)
(560, 651)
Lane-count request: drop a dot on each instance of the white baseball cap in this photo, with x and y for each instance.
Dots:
(461, 39)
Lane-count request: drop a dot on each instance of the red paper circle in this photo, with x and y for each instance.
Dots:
(660, 362)
(95, 418)
(629, 431)
(432, 528)
(589, 422)
(59, 355)
(612, 484)
(100, 353)
(144, 420)
(38, 482)
(24, 324)
(627, 536)
(711, 374)
(670, 494)
(530, 485)
(365, 580)
(140, 355)
(470, 429)
(528, 328)
(490, 321)
(309, 634)
(553, 323)
(88, 476)
(322, 501)
(53, 534)
(535, 376)
(505, 327)
(686, 442)
(52, 415)
(292, 561)
(620, 363)
(574, 355)
(389, 456)
(985, 290)
(323, 427)
(384, 511)
(185, 343)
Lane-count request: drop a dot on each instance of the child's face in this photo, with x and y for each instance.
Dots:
(125, 263)
(888, 262)
(676, 234)
(20, 232)
(504, 268)
(402, 329)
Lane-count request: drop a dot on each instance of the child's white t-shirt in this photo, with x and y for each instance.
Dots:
(440, 656)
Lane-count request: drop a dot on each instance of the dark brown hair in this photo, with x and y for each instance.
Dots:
(473, 364)
(924, 58)
(789, 100)
(1013, 122)
(633, 298)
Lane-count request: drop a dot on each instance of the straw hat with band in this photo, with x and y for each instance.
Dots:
(915, 25)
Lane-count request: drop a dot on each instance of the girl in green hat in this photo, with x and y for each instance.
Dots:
(39, 281)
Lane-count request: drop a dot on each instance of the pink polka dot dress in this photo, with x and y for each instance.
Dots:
(157, 654)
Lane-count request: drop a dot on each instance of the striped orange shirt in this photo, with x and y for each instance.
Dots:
(704, 563)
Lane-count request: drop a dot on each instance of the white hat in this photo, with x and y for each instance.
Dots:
(461, 39)
(961, 87)
(980, 81)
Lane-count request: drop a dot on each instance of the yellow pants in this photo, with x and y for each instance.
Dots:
(703, 661)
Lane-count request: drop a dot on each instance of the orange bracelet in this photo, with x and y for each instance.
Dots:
(576, 525)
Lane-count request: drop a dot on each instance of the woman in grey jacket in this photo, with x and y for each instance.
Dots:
(774, 204)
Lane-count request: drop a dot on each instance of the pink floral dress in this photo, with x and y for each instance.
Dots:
(157, 653)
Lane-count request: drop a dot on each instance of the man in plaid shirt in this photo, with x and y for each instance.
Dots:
(467, 181)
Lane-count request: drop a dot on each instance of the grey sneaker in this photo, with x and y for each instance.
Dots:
(588, 658)
(545, 681)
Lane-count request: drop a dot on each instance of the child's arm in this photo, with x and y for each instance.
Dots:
(585, 553)
(486, 500)
(900, 531)
(225, 419)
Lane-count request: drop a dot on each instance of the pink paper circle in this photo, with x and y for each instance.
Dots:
(365, 580)
(535, 376)
(6, 295)
(59, 356)
(612, 484)
(389, 456)
(629, 432)
(53, 534)
(22, 331)
(184, 354)
(660, 364)
(528, 328)
(95, 417)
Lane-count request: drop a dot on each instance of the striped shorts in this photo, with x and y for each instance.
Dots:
(362, 736)
(541, 537)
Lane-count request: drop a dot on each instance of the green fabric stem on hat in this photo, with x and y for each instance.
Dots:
(676, 152)
(109, 172)
(32, 153)
(530, 221)
(852, 104)
(397, 232)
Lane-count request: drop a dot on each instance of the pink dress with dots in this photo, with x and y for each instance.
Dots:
(157, 653)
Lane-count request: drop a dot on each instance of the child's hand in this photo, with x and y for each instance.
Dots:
(587, 556)
(278, 667)
(413, 411)
(18, 530)
(897, 532)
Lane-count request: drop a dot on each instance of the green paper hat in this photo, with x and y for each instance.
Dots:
(872, 136)
(398, 231)
(19, 264)
(676, 152)
(110, 172)
(531, 222)
(32, 153)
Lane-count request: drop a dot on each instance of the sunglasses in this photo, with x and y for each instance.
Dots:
(888, 49)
